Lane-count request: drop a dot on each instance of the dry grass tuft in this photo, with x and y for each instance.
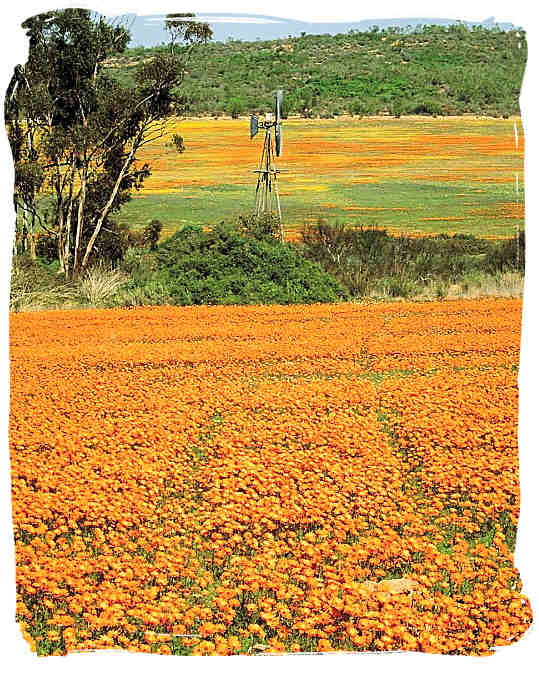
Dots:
(99, 284)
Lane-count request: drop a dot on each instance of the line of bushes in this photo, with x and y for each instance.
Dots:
(246, 264)
(228, 264)
(368, 261)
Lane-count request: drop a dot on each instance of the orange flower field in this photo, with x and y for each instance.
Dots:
(223, 480)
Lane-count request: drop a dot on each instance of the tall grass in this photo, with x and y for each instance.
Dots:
(35, 288)
(99, 284)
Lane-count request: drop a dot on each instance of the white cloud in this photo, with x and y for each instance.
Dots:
(224, 19)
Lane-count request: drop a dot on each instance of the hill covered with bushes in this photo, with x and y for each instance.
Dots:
(434, 70)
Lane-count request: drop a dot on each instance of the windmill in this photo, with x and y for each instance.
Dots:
(267, 192)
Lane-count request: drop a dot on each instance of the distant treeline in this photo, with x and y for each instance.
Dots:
(433, 70)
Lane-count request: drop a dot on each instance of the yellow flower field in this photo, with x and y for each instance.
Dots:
(211, 480)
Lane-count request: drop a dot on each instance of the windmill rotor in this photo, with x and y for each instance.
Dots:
(278, 140)
(278, 105)
(254, 125)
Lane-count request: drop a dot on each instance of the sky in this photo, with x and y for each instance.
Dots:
(148, 30)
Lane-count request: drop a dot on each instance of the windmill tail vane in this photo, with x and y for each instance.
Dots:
(267, 190)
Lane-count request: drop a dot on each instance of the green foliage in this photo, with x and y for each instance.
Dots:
(432, 70)
(507, 255)
(236, 107)
(139, 263)
(182, 28)
(36, 286)
(222, 266)
(367, 260)
(46, 247)
(228, 266)
(110, 249)
(261, 226)
(151, 234)
(112, 244)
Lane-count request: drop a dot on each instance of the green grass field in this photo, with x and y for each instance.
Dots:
(412, 175)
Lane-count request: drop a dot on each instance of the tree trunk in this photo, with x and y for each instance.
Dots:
(67, 237)
(80, 220)
(24, 234)
(17, 249)
(60, 243)
(59, 216)
(106, 209)
(32, 238)
(64, 241)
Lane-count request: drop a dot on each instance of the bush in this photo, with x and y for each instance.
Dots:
(151, 234)
(399, 287)
(111, 245)
(507, 255)
(138, 262)
(34, 286)
(366, 259)
(178, 143)
(235, 108)
(267, 224)
(46, 247)
(222, 266)
(135, 292)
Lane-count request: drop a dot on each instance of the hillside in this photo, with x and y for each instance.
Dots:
(436, 70)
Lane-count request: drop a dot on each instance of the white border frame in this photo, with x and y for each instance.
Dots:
(519, 657)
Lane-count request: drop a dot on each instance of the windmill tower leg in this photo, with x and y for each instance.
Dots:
(260, 200)
(281, 231)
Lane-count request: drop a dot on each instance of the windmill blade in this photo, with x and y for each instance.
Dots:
(278, 105)
(254, 125)
(278, 139)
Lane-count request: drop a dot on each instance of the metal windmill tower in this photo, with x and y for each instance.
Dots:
(267, 191)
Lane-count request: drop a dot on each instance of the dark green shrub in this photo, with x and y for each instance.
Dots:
(399, 287)
(507, 255)
(222, 266)
(139, 263)
(111, 245)
(46, 247)
(260, 226)
(135, 238)
(367, 259)
(235, 108)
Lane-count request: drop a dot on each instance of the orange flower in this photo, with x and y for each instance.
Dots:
(327, 476)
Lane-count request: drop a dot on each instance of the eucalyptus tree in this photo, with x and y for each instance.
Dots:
(29, 175)
(185, 30)
(82, 128)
